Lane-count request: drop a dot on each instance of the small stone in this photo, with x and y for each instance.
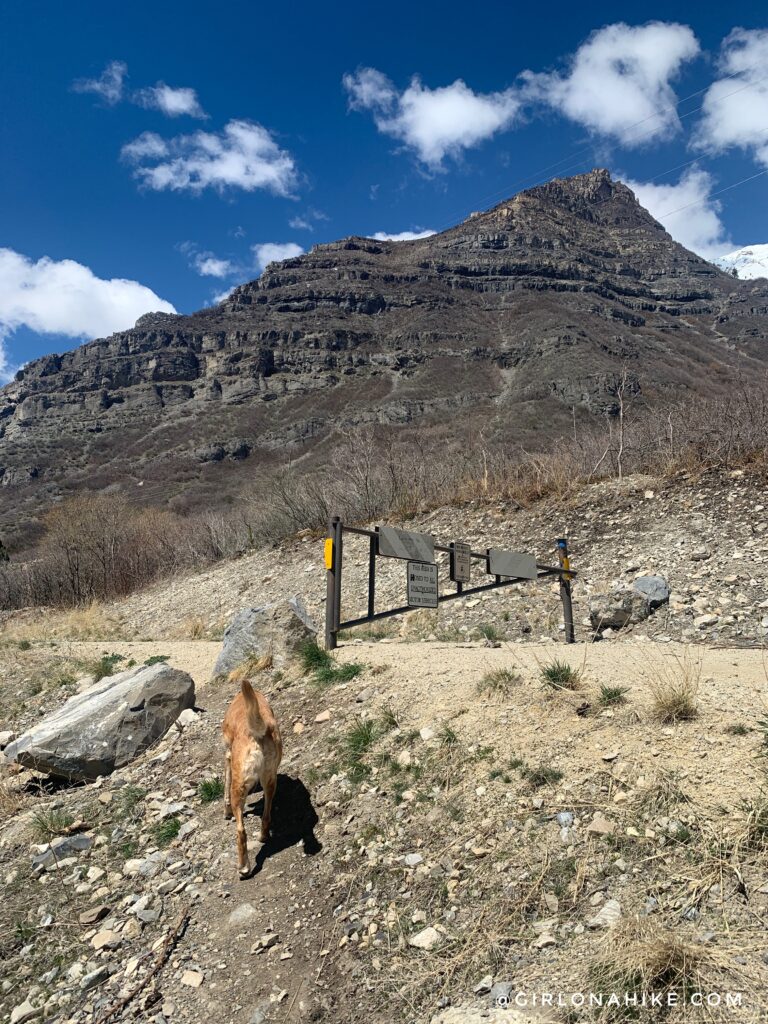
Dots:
(607, 917)
(94, 978)
(94, 914)
(106, 939)
(484, 985)
(427, 733)
(242, 916)
(364, 695)
(194, 979)
(324, 716)
(501, 993)
(704, 621)
(427, 939)
(564, 819)
(544, 940)
(600, 825)
(412, 859)
(298, 728)
(186, 718)
(24, 1011)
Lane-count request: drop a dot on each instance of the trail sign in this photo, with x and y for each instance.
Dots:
(511, 563)
(422, 585)
(395, 543)
(510, 568)
(461, 562)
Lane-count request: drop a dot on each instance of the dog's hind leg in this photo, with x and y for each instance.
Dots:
(238, 801)
(227, 785)
(269, 784)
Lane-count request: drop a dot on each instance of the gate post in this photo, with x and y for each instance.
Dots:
(333, 555)
(565, 591)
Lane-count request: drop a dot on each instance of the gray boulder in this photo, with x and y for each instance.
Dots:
(654, 589)
(616, 609)
(626, 606)
(107, 725)
(277, 629)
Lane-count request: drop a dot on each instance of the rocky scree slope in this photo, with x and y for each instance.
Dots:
(505, 322)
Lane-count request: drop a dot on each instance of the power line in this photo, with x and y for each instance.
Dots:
(570, 162)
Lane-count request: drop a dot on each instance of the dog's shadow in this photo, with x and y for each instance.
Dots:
(293, 820)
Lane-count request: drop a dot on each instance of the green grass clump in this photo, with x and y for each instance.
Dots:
(315, 660)
(210, 790)
(490, 633)
(164, 832)
(128, 798)
(610, 696)
(157, 659)
(360, 737)
(49, 823)
(313, 656)
(448, 737)
(738, 729)
(24, 645)
(560, 676)
(355, 744)
(104, 666)
(499, 682)
(542, 775)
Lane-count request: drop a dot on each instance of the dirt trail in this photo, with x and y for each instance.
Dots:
(332, 885)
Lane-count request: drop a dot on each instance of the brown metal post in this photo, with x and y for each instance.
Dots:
(565, 591)
(333, 583)
(372, 574)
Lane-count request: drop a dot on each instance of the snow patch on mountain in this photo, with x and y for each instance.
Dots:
(750, 262)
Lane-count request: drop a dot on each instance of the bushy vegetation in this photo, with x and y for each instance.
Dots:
(97, 546)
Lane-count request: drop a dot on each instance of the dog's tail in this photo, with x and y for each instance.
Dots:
(256, 722)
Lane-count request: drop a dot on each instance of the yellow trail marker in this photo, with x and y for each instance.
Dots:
(328, 552)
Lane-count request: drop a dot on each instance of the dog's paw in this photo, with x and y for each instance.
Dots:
(244, 872)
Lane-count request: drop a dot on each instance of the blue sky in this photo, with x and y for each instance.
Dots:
(158, 154)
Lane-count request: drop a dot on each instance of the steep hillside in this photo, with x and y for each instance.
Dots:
(505, 323)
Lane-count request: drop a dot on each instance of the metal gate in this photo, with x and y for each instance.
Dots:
(508, 569)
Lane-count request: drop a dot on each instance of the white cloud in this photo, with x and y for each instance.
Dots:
(735, 109)
(403, 236)
(243, 155)
(307, 221)
(435, 123)
(65, 297)
(221, 296)
(621, 76)
(687, 212)
(211, 266)
(109, 85)
(147, 146)
(274, 252)
(172, 102)
(207, 264)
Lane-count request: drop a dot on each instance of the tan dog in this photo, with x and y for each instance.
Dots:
(254, 749)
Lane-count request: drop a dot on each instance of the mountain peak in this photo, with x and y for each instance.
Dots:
(507, 321)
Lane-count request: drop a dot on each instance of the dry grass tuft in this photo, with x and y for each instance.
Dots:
(675, 689)
(251, 667)
(192, 628)
(499, 683)
(644, 958)
(661, 793)
(10, 801)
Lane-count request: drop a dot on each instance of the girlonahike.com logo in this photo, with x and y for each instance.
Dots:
(599, 1000)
